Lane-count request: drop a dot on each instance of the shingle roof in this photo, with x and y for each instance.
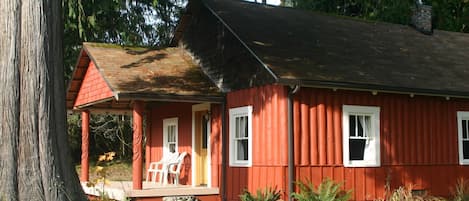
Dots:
(141, 73)
(318, 49)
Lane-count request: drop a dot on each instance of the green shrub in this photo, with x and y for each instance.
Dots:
(268, 194)
(328, 190)
(461, 190)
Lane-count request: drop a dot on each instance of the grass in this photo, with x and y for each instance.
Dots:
(117, 171)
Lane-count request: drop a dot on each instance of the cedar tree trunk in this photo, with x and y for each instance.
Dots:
(34, 154)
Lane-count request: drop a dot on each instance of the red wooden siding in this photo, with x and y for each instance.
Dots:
(418, 139)
(183, 111)
(269, 140)
(215, 144)
(93, 87)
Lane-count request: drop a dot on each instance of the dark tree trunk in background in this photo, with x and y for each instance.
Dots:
(34, 154)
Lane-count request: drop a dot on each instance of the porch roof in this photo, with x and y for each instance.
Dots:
(167, 74)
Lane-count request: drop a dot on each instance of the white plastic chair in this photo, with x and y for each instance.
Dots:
(175, 168)
(161, 168)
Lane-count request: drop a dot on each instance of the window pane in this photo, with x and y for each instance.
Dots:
(168, 131)
(204, 133)
(352, 120)
(237, 127)
(465, 147)
(246, 134)
(172, 148)
(171, 134)
(464, 129)
(241, 126)
(242, 148)
(357, 149)
(367, 126)
(360, 125)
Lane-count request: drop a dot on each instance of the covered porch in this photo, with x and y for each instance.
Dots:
(174, 108)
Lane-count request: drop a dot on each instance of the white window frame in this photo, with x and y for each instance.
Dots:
(166, 123)
(462, 115)
(370, 160)
(233, 114)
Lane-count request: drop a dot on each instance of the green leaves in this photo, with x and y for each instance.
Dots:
(328, 190)
(124, 22)
(268, 194)
(450, 15)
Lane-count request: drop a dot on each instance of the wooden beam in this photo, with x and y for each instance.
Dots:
(138, 109)
(85, 132)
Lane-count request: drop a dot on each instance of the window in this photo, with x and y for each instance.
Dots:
(170, 135)
(463, 137)
(361, 145)
(241, 136)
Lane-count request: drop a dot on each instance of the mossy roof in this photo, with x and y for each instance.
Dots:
(145, 73)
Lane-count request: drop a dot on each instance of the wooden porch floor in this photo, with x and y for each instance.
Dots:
(120, 190)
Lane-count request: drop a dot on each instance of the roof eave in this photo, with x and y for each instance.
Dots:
(77, 107)
(170, 97)
(373, 88)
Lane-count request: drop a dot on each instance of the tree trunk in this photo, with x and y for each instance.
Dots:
(34, 155)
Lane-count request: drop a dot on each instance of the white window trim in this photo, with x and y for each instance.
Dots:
(374, 112)
(233, 113)
(169, 122)
(461, 115)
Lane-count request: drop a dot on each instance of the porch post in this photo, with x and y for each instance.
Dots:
(85, 132)
(137, 144)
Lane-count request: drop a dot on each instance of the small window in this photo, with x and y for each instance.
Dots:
(463, 137)
(170, 135)
(361, 144)
(241, 136)
(205, 131)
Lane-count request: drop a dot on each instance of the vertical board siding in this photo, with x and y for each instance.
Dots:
(269, 140)
(269, 122)
(215, 144)
(414, 131)
(418, 139)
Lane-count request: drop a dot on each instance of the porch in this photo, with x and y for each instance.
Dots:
(122, 190)
(170, 101)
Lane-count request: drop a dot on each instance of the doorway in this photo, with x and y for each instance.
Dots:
(201, 145)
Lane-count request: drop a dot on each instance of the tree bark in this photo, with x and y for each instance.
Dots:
(35, 159)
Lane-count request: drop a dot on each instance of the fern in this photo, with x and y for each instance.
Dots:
(267, 194)
(328, 190)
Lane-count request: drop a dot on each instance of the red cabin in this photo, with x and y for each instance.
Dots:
(262, 96)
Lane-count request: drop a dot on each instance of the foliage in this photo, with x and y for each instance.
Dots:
(112, 132)
(451, 15)
(461, 190)
(406, 194)
(107, 132)
(328, 190)
(268, 194)
(74, 136)
(101, 172)
(123, 22)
